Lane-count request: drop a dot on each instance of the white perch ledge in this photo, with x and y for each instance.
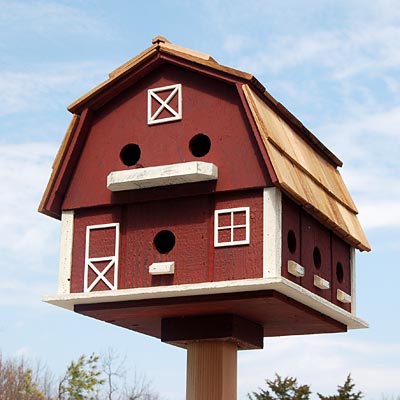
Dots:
(164, 175)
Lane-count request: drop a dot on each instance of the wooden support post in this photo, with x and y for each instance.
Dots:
(212, 342)
(211, 370)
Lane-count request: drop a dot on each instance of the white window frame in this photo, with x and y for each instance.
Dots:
(152, 116)
(112, 260)
(231, 227)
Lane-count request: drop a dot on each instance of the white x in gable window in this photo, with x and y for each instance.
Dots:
(232, 227)
(164, 104)
(101, 257)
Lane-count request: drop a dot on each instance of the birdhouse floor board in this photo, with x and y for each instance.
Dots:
(278, 314)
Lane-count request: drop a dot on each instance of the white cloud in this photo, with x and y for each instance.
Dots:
(48, 16)
(361, 49)
(47, 86)
(380, 214)
(368, 143)
(29, 241)
(25, 235)
(235, 43)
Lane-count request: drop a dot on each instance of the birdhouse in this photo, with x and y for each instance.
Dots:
(195, 206)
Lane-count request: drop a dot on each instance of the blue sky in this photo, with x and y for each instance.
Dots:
(334, 64)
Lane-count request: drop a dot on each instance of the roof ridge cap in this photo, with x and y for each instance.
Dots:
(162, 42)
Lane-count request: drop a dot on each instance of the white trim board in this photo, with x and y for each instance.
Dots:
(272, 232)
(353, 274)
(65, 263)
(281, 285)
(163, 175)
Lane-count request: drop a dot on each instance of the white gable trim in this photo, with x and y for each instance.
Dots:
(272, 232)
(65, 263)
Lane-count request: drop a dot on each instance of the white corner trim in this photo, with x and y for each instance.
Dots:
(272, 232)
(295, 269)
(164, 175)
(353, 279)
(65, 263)
(162, 268)
(343, 297)
(321, 283)
(281, 285)
(153, 114)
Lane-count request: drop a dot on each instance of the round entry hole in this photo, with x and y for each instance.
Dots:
(339, 272)
(130, 154)
(164, 241)
(200, 145)
(317, 258)
(291, 241)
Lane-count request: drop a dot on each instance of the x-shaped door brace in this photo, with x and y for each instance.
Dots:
(175, 115)
(111, 259)
(101, 276)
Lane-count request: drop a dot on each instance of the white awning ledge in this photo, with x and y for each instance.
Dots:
(164, 175)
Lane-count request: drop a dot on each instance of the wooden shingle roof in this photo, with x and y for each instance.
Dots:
(305, 174)
(304, 168)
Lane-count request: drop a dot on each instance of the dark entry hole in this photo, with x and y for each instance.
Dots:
(164, 241)
(130, 154)
(291, 241)
(339, 272)
(317, 257)
(200, 145)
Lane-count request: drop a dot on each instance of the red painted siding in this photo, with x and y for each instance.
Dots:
(340, 255)
(191, 220)
(243, 261)
(291, 236)
(187, 219)
(312, 238)
(209, 106)
(315, 240)
(97, 248)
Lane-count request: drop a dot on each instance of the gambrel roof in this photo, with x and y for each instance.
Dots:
(298, 163)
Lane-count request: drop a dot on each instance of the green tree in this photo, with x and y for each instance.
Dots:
(345, 392)
(289, 389)
(17, 382)
(282, 389)
(82, 379)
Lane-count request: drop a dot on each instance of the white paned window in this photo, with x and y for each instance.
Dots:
(232, 227)
(164, 104)
(101, 257)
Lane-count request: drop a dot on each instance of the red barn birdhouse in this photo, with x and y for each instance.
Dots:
(195, 206)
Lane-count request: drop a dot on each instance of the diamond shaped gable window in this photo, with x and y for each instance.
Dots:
(164, 104)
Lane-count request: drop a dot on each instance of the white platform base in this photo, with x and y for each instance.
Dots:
(281, 285)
